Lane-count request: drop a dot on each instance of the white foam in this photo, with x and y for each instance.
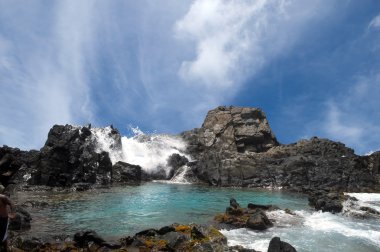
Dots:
(327, 222)
(180, 176)
(246, 238)
(105, 142)
(151, 152)
(371, 200)
(365, 197)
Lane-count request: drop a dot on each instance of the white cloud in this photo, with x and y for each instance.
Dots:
(234, 39)
(42, 71)
(352, 117)
(375, 22)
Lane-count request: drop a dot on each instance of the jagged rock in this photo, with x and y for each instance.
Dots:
(276, 245)
(126, 173)
(70, 156)
(237, 217)
(176, 161)
(82, 239)
(236, 147)
(259, 221)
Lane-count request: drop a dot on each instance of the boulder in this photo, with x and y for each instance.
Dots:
(83, 239)
(276, 245)
(259, 221)
(176, 161)
(126, 173)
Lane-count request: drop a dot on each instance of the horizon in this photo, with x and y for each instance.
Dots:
(313, 68)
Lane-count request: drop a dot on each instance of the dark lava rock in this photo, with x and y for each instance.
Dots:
(82, 239)
(276, 245)
(327, 202)
(259, 221)
(175, 161)
(239, 248)
(21, 221)
(238, 217)
(126, 173)
(236, 147)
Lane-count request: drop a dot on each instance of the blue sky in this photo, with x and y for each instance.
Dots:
(312, 66)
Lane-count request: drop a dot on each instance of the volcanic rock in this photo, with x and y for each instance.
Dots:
(276, 245)
(236, 147)
(126, 173)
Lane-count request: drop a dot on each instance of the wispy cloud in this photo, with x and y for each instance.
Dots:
(42, 71)
(160, 65)
(375, 22)
(352, 117)
(235, 39)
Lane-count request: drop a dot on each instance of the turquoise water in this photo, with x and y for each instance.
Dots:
(125, 210)
(122, 211)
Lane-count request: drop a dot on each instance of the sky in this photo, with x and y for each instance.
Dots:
(312, 66)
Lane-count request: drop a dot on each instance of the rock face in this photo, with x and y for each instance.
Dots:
(236, 147)
(69, 156)
(126, 173)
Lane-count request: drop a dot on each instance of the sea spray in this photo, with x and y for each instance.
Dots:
(150, 151)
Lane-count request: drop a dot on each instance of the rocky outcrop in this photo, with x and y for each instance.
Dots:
(15, 163)
(236, 147)
(70, 156)
(238, 217)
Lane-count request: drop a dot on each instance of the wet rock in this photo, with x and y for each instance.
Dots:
(327, 202)
(126, 173)
(21, 221)
(243, 218)
(369, 210)
(262, 207)
(239, 248)
(276, 245)
(83, 239)
(165, 230)
(175, 161)
(259, 221)
(234, 204)
(179, 238)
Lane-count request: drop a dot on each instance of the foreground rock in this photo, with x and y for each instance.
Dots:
(276, 245)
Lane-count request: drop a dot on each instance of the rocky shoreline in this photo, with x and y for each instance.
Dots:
(175, 237)
(235, 147)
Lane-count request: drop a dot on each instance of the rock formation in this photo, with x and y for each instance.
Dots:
(234, 147)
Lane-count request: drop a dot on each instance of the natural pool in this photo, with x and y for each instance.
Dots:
(122, 211)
